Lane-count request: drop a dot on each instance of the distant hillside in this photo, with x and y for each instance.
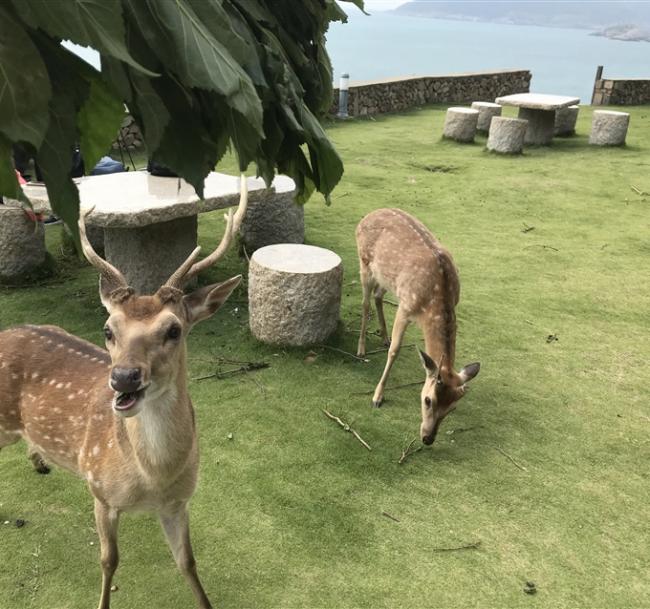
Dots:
(631, 33)
(572, 14)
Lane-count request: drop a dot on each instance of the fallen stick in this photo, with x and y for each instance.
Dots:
(505, 454)
(641, 193)
(470, 546)
(384, 349)
(346, 427)
(352, 355)
(389, 516)
(407, 452)
(371, 391)
(247, 367)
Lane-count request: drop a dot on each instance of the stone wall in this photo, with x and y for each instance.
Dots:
(621, 92)
(395, 95)
(129, 135)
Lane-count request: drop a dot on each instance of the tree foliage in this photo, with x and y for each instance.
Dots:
(197, 75)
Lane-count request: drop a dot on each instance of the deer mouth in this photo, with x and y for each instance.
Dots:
(124, 401)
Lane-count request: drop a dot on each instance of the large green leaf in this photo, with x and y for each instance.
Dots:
(98, 122)
(24, 84)
(9, 186)
(185, 44)
(55, 160)
(94, 23)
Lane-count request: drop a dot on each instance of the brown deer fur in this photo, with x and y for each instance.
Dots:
(397, 253)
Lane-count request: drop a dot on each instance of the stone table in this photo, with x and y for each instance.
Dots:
(150, 222)
(539, 110)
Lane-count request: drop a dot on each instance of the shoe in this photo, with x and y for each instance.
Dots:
(51, 220)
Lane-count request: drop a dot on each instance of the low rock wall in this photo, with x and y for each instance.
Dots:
(621, 92)
(396, 95)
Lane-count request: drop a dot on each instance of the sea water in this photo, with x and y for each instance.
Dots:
(562, 61)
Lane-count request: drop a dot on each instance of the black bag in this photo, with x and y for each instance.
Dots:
(156, 169)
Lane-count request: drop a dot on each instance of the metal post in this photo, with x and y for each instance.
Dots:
(599, 75)
(344, 84)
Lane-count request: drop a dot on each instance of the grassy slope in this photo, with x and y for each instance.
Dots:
(289, 512)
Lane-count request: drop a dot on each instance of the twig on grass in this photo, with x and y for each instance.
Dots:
(391, 302)
(470, 546)
(389, 516)
(546, 247)
(407, 452)
(346, 427)
(246, 367)
(641, 193)
(384, 349)
(352, 355)
(527, 228)
(505, 454)
(371, 391)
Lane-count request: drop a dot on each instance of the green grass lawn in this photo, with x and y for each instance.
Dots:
(288, 513)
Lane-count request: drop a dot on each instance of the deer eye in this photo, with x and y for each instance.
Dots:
(174, 332)
(427, 401)
(108, 333)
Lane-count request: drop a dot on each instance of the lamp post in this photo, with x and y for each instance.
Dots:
(343, 96)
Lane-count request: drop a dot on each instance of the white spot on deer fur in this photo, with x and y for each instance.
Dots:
(95, 451)
(80, 392)
(14, 377)
(110, 444)
(68, 385)
(46, 437)
(72, 396)
(59, 385)
(53, 381)
(89, 475)
(94, 359)
(57, 410)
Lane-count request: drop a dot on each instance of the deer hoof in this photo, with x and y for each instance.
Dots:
(41, 467)
(377, 403)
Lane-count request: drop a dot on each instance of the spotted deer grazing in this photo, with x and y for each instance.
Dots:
(122, 418)
(397, 253)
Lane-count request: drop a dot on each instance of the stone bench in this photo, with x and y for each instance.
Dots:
(609, 128)
(507, 135)
(22, 242)
(460, 124)
(150, 222)
(565, 121)
(274, 218)
(486, 110)
(294, 294)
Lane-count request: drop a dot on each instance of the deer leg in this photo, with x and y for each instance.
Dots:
(366, 287)
(379, 305)
(399, 327)
(176, 525)
(107, 520)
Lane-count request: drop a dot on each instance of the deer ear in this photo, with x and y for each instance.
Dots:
(112, 295)
(428, 363)
(469, 372)
(204, 302)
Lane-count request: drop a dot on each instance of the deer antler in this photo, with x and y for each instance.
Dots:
(109, 274)
(189, 268)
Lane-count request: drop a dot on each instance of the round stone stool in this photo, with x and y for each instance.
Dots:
(460, 124)
(565, 120)
(609, 128)
(507, 135)
(486, 110)
(294, 294)
(274, 218)
(22, 243)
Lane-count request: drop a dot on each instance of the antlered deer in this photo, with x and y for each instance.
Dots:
(397, 253)
(121, 419)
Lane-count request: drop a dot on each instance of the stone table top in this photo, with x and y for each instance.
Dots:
(296, 258)
(537, 101)
(134, 199)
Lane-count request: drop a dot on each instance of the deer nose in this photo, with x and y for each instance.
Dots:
(126, 380)
(428, 440)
